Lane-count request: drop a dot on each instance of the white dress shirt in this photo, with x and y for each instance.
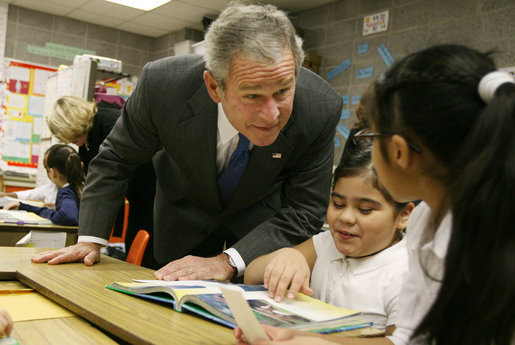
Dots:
(226, 142)
(418, 290)
(46, 193)
(370, 284)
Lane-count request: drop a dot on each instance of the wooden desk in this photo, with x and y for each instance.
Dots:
(46, 331)
(81, 289)
(12, 233)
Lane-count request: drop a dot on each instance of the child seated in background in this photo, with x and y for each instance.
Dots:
(64, 169)
(45, 193)
(359, 263)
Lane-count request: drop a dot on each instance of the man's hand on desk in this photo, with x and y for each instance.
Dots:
(86, 252)
(197, 268)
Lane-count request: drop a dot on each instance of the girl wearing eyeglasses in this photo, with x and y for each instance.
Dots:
(444, 133)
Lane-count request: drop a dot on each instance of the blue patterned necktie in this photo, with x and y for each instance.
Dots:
(231, 176)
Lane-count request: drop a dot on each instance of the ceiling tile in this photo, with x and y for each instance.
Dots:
(162, 22)
(215, 5)
(170, 17)
(42, 6)
(67, 3)
(183, 11)
(95, 18)
(142, 29)
(111, 9)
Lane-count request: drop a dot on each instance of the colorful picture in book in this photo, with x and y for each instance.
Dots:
(263, 310)
(23, 100)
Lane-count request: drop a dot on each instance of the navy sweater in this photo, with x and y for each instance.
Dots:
(66, 208)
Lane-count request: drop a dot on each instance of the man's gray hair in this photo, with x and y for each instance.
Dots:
(261, 32)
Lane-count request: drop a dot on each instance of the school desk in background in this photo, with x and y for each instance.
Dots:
(22, 218)
(22, 228)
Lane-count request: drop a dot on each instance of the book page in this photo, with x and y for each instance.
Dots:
(244, 316)
(43, 239)
(185, 283)
(206, 297)
(22, 217)
(304, 306)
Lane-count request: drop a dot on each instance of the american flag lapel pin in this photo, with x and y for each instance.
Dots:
(277, 155)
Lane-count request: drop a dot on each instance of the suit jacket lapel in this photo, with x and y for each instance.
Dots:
(264, 165)
(196, 151)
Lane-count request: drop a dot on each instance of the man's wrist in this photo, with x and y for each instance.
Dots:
(233, 270)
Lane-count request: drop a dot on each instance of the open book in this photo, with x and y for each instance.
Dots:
(21, 217)
(206, 299)
(4, 200)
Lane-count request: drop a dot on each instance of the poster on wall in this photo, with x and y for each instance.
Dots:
(375, 23)
(22, 110)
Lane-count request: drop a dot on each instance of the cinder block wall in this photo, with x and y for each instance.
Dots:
(334, 31)
(28, 27)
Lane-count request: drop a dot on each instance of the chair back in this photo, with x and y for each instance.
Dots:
(138, 247)
(121, 239)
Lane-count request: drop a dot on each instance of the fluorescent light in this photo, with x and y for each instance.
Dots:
(145, 5)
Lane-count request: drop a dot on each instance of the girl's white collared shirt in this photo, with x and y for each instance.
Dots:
(370, 284)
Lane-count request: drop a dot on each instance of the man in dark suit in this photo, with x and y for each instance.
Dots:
(197, 114)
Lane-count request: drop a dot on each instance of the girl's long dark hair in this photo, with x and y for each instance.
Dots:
(356, 160)
(67, 162)
(432, 97)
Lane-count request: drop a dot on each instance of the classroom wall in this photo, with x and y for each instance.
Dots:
(334, 31)
(28, 27)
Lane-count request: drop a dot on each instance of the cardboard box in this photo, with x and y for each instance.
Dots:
(312, 61)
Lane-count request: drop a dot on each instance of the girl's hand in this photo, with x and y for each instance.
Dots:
(12, 206)
(6, 324)
(282, 336)
(288, 269)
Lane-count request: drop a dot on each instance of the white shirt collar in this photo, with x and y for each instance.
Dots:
(384, 257)
(441, 239)
(225, 128)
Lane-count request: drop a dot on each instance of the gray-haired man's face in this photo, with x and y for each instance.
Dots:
(258, 98)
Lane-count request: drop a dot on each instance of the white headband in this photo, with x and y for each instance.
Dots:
(490, 82)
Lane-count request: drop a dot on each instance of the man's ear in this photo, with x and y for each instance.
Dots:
(212, 86)
(401, 152)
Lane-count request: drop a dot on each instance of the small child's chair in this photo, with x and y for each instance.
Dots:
(138, 247)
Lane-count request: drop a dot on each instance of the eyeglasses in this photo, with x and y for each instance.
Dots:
(367, 136)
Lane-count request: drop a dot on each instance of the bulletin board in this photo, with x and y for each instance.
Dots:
(22, 110)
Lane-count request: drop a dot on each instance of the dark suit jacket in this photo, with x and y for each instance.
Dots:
(103, 123)
(141, 190)
(279, 202)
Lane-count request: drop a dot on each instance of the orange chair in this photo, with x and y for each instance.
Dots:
(116, 239)
(138, 247)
